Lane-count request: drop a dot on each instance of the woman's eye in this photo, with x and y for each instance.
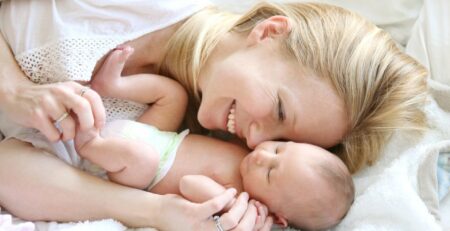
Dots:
(268, 175)
(281, 114)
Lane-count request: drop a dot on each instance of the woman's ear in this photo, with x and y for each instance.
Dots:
(272, 27)
(280, 220)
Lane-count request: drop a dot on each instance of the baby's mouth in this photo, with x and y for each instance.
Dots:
(231, 124)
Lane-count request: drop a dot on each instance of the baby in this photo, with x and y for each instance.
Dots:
(302, 185)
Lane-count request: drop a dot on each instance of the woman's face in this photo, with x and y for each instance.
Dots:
(261, 94)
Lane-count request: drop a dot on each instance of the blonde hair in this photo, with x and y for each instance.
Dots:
(383, 88)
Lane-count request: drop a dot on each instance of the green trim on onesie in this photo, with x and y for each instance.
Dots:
(172, 149)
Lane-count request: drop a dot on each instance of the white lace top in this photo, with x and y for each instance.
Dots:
(61, 40)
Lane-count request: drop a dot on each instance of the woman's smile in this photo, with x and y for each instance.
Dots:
(231, 122)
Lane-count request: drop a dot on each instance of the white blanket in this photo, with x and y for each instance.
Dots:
(399, 192)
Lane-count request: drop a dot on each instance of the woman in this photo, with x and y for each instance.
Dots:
(303, 72)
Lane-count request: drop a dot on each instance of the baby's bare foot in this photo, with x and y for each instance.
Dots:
(107, 80)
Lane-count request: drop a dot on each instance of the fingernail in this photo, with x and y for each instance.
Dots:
(245, 194)
(233, 190)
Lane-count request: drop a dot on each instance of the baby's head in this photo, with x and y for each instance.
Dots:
(302, 184)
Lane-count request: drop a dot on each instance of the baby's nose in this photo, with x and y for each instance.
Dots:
(262, 157)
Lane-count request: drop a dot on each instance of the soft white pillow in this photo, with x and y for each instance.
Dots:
(397, 17)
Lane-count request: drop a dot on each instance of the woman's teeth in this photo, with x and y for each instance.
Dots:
(231, 124)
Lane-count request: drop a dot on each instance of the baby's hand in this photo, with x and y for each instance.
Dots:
(107, 80)
(83, 138)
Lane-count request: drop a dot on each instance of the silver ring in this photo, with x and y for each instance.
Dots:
(217, 222)
(61, 118)
(83, 90)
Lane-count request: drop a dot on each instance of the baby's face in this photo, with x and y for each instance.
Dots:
(275, 172)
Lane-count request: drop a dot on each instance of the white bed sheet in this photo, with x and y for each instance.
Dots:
(397, 192)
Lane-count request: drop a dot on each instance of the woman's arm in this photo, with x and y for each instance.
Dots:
(37, 186)
(10, 74)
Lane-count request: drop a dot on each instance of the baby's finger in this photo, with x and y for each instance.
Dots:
(96, 104)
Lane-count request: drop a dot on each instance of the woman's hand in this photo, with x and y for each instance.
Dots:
(177, 213)
(44, 108)
(252, 217)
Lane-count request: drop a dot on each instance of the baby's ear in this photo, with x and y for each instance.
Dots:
(280, 220)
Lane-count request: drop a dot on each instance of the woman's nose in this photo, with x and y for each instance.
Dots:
(258, 134)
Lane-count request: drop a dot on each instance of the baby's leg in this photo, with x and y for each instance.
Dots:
(107, 80)
(128, 162)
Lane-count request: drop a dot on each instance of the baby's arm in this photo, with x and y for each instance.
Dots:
(167, 97)
(200, 188)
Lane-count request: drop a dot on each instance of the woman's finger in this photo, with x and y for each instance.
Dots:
(267, 224)
(261, 216)
(46, 126)
(231, 218)
(248, 220)
(60, 117)
(97, 106)
(82, 109)
(50, 116)
(213, 206)
(68, 128)
(258, 223)
(68, 94)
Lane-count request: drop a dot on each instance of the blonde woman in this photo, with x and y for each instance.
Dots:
(302, 72)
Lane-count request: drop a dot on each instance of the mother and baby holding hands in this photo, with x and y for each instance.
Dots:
(290, 80)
